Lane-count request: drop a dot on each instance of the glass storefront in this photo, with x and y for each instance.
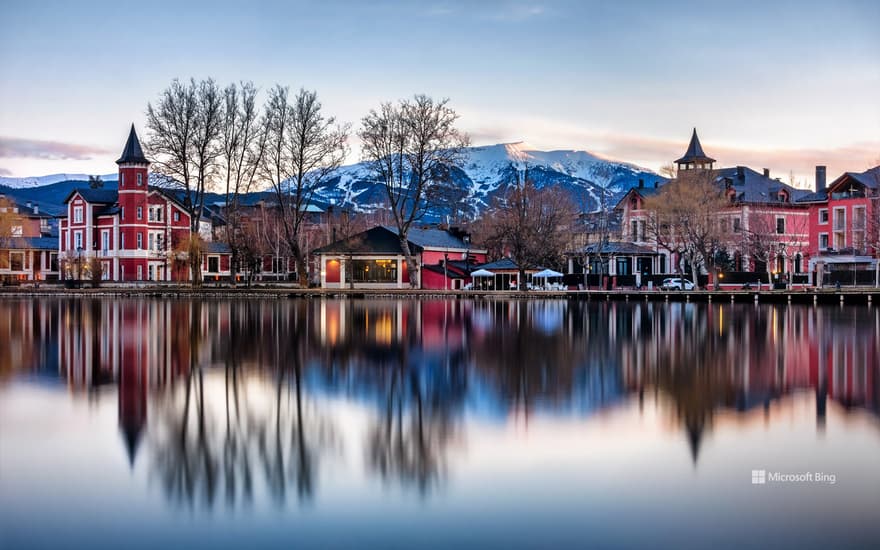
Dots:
(374, 271)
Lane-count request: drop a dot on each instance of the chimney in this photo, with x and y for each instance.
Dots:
(740, 173)
(36, 209)
(641, 183)
(820, 179)
(766, 172)
(28, 204)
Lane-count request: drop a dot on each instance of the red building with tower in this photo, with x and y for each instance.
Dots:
(133, 233)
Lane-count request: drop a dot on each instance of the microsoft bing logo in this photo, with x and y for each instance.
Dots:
(759, 477)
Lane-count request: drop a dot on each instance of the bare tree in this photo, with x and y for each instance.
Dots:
(531, 225)
(685, 219)
(244, 142)
(411, 146)
(304, 149)
(184, 142)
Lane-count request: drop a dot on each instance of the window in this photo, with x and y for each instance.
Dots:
(839, 241)
(140, 213)
(78, 240)
(105, 241)
(723, 226)
(77, 214)
(16, 231)
(176, 216)
(823, 216)
(839, 218)
(122, 213)
(859, 218)
(53, 261)
(279, 264)
(140, 273)
(16, 261)
(780, 226)
(140, 179)
(122, 241)
(150, 241)
(635, 230)
(737, 227)
(213, 264)
(823, 241)
(122, 179)
(140, 239)
(374, 271)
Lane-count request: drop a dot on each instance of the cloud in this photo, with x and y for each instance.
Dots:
(5, 172)
(11, 147)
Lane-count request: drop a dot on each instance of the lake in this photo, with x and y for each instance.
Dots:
(374, 423)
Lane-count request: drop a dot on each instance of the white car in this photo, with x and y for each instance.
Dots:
(677, 284)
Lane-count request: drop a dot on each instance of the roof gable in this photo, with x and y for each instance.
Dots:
(95, 196)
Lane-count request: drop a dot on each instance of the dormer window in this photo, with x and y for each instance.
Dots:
(77, 214)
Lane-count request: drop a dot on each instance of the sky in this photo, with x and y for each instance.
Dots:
(783, 85)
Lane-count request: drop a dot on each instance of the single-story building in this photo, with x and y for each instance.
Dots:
(375, 259)
(29, 259)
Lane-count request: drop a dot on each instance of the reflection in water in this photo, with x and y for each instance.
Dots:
(233, 399)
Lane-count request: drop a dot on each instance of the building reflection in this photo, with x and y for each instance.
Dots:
(236, 395)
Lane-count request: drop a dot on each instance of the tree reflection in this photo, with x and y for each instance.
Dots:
(239, 400)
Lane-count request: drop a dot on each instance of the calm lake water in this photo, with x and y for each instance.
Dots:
(434, 423)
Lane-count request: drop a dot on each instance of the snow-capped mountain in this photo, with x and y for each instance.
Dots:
(25, 183)
(490, 170)
(486, 172)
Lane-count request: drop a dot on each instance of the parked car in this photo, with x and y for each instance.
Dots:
(677, 284)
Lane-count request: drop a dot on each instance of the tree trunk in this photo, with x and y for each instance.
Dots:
(695, 272)
(522, 279)
(302, 270)
(411, 267)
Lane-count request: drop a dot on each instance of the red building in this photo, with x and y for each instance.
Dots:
(134, 233)
(845, 228)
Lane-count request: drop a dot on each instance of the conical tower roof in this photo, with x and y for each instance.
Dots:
(695, 154)
(132, 153)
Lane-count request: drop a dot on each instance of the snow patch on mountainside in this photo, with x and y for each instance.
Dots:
(28, 182)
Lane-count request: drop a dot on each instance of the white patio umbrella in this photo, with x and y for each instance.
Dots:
(546, 274)
(482, 273)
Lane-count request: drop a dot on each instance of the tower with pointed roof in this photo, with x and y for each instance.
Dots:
(695, 158)
(133, 208)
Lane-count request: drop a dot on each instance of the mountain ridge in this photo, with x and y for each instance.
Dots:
(486, 172)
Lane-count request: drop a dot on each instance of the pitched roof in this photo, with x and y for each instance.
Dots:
(132, 153)
(98, 196)
(385, 240)
(498, 265)
(694, 152)
(433, 238)
(215, 247)
(754, 187)
(31, 243)
(378, 240)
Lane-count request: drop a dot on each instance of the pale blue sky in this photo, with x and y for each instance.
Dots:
(784, 85)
